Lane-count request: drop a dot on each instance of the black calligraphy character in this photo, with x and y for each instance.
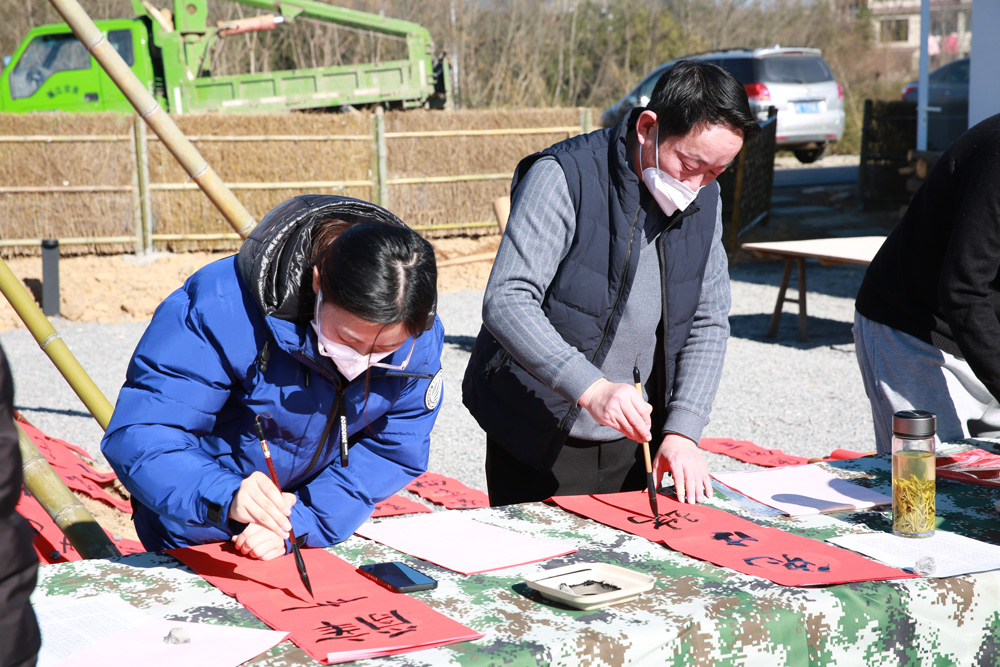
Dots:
(328, 603)
(36, 526)
(738, 541)
(668, 519)
(796, 563)
(347, 631)
(392, 624)
(671, 518)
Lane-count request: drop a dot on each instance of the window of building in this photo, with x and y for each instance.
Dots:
(895, 30)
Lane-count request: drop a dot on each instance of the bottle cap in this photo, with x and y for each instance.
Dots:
(914, 423)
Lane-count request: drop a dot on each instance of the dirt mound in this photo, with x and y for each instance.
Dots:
(124, 288)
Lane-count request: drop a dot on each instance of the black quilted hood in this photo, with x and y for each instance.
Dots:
(274, 259)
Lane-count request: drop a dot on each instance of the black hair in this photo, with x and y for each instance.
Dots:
(693, 92)
(380, 272)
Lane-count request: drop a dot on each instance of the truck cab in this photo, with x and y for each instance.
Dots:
(52, 70)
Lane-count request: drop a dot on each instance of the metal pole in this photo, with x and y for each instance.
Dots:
(922, 80)
(50, 277)
(150, 111)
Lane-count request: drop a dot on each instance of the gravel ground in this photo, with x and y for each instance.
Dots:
(804, 398)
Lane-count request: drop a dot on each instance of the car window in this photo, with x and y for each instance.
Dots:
(959, 72)
(794, 69)
(44, 56)
(121, 40)
(741, 68)
(641, 93)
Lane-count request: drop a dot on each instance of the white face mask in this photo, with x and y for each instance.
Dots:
(349, 362)
(669, 193)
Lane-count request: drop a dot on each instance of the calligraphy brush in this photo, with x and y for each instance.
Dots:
(299, 563)
(650, 486)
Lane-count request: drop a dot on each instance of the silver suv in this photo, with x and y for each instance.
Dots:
(796, 81)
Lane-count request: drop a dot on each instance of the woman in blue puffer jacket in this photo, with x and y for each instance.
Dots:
(323, 330)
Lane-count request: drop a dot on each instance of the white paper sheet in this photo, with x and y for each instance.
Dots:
(953, 554)
(105, 630)
(456, 541)
(802, 490)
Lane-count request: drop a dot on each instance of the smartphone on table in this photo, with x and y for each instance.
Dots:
(398, 577)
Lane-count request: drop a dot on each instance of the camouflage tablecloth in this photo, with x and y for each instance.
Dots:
(697, 614)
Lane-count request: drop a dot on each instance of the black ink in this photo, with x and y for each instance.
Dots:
(738, 541)
(328, 603)
(789, 563)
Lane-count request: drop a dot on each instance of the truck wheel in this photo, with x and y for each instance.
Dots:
(809, 155)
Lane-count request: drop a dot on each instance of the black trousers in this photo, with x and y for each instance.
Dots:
(582, 467)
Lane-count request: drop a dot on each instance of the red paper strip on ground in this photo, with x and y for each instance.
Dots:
(748, 452)
(350, 618)
(730, 541)
(447, 491)
(61, 453)
(396, 504)
(50, 543)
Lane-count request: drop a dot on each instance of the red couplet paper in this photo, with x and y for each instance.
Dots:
(974, 466)
(748, 452)
(397, 504)
(730, 541)
(50, 543)
(350, 618)
(447, 491)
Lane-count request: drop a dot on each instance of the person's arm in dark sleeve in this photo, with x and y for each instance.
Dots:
(968, 283)
(539, 233)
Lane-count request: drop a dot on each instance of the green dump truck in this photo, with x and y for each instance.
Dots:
(170, 52)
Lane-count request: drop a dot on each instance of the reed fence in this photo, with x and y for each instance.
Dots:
(101, 183)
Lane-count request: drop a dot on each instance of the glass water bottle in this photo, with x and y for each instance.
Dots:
(913, 468)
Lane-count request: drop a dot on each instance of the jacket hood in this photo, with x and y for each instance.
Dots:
(274, 260)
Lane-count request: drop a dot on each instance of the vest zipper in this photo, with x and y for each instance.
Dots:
(614, 307)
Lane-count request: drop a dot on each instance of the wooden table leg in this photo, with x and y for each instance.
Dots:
(772, 330)
(803, 318)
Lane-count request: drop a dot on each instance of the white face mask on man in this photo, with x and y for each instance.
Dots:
(669, 193)
(349, 362)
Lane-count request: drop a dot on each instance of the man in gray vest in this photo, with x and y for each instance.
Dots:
(611, 260)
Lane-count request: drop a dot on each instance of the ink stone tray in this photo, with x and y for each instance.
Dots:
(590, 585)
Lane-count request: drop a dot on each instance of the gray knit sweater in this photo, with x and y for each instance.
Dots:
(539, 232)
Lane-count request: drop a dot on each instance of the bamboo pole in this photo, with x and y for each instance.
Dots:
(142, 172)
(63, 189)
(151, 111)
(136, 194)
(63, 138)
(382, 158)
(54, 346)
(60, 503)
(468, 259)
(70, 240)
(282, 185)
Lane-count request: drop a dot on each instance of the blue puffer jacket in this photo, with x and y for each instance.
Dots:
(235, 342)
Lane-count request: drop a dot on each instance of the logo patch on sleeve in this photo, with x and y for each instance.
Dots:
(433, 394)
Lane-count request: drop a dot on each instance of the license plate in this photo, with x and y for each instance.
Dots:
(807, 107)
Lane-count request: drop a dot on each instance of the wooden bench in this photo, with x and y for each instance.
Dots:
(832, 251)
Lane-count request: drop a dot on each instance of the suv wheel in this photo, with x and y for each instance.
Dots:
(810, 155)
